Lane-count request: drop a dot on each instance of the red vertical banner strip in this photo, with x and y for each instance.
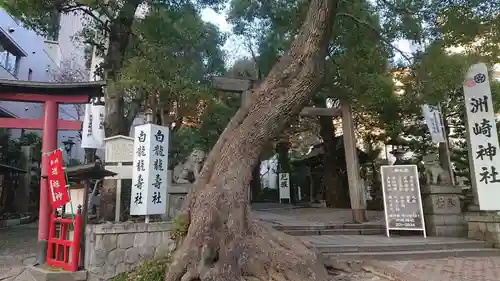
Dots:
(57, 180)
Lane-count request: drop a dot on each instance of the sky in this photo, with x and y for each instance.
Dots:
(234, 46)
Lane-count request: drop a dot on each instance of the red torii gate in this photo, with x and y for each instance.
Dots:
(51, 95)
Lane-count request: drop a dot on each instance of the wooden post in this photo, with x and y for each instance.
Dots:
(118, 203)
(358, 205)
(149, 120)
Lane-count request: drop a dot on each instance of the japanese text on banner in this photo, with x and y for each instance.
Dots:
(149, 179)
(57, 180)
(483, 139)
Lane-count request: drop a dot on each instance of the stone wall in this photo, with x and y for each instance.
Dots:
(484, 226)
(113, 248)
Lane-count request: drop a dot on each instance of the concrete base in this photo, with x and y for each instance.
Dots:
(484, 226)
(41, 255)
(442, 211)
(46, 273)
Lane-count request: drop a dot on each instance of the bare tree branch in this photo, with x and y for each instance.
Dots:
(254, 58)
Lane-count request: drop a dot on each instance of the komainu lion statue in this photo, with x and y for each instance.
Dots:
(188, 171)
(434, 173)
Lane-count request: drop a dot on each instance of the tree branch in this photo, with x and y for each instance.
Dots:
(393, 7)
(103, 5)
(91, 42)
(89, 12)
(254, 58)
(378, 33)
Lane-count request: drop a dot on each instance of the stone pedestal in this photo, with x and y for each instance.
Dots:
(484, 226)
(176, 195)
(442, 212)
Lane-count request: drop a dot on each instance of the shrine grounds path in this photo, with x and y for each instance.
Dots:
(18, 249)
(448, 269)
(18, 246)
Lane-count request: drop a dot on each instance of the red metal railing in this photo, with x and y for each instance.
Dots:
(58, 252)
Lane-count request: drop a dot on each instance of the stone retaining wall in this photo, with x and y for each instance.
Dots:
(442, 211)
(484, 226)
(113, 248)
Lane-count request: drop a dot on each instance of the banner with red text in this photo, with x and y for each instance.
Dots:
(57, 180)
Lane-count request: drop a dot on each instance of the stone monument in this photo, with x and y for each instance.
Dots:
(184, 176)
(441, 202)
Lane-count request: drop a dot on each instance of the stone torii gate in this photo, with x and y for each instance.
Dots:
(51, 95)
(358, 202)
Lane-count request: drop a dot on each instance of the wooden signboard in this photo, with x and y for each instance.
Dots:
(402, 198)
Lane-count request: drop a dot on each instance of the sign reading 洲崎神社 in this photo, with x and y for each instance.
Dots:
(149, 174)
(482, 137)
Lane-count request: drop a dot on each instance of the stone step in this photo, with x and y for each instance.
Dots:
(401, 247)
(329, 226)
(416, 255)
(339, 231)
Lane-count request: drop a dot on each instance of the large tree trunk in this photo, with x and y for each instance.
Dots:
(116, 121)
(223, 241)
(337, 195)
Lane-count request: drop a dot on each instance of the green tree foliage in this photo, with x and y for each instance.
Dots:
(173, 58)
(205, 134)
(456, 35)
(109, 27)
(10, 148)
(437, 77)
(358, 55)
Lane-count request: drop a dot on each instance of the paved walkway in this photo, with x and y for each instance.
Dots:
(450, 269)
(17, 249)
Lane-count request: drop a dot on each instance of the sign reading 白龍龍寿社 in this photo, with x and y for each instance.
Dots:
(482, 137)
(149, 176)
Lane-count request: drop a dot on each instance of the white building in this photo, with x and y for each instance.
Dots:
(24, 55)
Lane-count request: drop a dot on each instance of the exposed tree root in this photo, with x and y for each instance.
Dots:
(261, 254)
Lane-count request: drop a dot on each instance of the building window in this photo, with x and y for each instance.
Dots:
(30, 75)
(9, 61)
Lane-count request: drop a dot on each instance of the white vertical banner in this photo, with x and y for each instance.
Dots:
(149, 174)
(284, 186)
(93, 127)
(432, 117)
(98, 112)
(482, 137)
